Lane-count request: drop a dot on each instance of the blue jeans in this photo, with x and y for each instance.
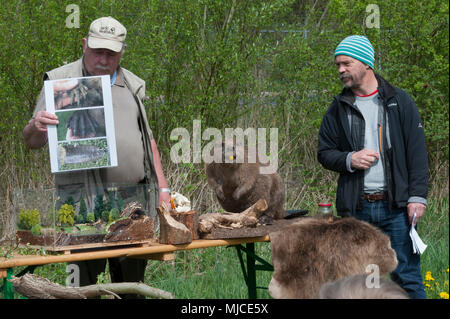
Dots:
(395, 224)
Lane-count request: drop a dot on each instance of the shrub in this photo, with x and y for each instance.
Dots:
(36, 230)
(79, 219)
(66, 215)
(28, 218)
(105, 215)
(120, 204)
(70, 201)
(98, 206)
(83, 209)
(90, 218)
(114, 214)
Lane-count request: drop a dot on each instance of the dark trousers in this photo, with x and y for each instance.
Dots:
(395, 224)
(121, 270)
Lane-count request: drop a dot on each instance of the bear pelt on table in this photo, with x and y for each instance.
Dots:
(313, 251)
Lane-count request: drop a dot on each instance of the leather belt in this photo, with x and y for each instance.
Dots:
(376, 196)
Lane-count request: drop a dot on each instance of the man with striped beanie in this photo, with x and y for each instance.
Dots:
(372, 135)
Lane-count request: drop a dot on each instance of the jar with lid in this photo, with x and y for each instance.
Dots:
(325, 208)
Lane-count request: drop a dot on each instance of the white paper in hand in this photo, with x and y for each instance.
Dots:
(418, 245)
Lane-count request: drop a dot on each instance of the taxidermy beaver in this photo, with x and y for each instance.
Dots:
(239, 184)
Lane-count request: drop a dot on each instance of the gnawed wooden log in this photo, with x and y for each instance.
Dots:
(130, 229)
(133, 210)
(35, 287)
(171, 231)
(248, 218)
(188, 219)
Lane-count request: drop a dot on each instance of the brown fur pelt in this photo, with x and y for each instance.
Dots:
(355, 287)
(313, 251)
(238, 185)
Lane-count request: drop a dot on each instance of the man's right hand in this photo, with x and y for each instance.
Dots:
(35, 132)
(42, 119)
(364, 158)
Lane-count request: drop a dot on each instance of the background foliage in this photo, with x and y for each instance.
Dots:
(230, 63)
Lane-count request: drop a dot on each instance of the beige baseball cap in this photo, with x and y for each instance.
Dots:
(106, 33)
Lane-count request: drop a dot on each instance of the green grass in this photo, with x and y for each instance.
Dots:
(434, 231)
(207, 273)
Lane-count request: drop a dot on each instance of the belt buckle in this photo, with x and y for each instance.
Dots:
(371, 200)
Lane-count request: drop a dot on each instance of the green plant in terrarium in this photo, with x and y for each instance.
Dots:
(36, 230)
(120, 203)
(83, 210)
(114, 215)
(105, 215)
(90, 217)
(107, 205)
(66, 215)
(111, 199)
(98, 206)
(70, 201)
(79, 219)
(28, 218)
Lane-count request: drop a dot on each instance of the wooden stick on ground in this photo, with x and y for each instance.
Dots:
(35, 287)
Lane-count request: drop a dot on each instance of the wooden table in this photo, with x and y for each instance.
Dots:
(153, 251)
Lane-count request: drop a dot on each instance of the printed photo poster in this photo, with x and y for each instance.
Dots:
(85, 136)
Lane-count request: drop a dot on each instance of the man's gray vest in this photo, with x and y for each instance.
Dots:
(91, 178)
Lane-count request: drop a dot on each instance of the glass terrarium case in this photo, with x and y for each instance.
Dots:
(116, 215)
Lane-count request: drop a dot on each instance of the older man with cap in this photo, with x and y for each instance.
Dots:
(139, 163)
(372, 135)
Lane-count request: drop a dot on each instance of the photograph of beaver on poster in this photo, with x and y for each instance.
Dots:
(76, 93)
(75, 125)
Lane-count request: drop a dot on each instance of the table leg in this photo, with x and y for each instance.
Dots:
(252, 267)
(251, 271)
(8, 290)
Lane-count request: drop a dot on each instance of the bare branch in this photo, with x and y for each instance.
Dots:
(35, 287)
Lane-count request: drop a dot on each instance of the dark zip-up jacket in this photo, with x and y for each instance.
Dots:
(403, 148)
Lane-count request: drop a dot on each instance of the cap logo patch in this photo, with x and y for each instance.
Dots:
(110, 30)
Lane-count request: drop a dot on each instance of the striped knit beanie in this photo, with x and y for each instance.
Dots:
(358, 47)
